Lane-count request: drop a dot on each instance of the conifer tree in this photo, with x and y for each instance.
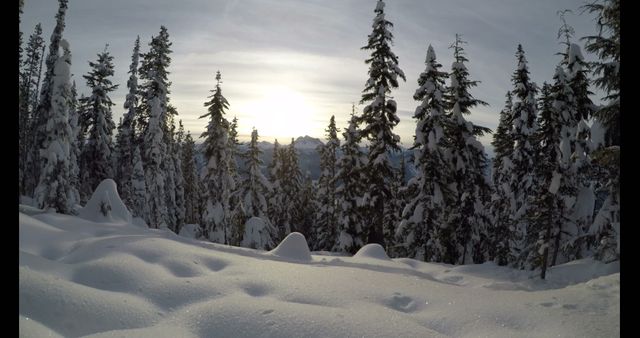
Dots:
(238, 217)
(276, 202)
(467, 216)
(41, 114)
(502, 199)
(97, 153)
(324, 231)
(191, 181)
(291, 187)
(139, 208)
(350, 175)
(217, 176)
(168, 166)
(378, 120)
(54, 189)
(176, 155)
(307, 198)
(524, 113)
(126, 139)
(423, 227)
(74, 151)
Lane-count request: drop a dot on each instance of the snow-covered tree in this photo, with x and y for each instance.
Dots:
(351, 188)
(97, 152)
(126, 138)
(502, 199)
(170, 170)
(324, 232)
(467, 216)
(238, 217)
(378, 120)
(139, 208)
(307, 200)
(176, 156)
(28, 98)
(152, 113)
(40, 116)
(276, 197)
(524, 112)
(423, 231)
(191, 181)
(216, 175)
(54, 188)
(74, 150)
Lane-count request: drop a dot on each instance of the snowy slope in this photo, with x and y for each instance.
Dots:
(79, 277)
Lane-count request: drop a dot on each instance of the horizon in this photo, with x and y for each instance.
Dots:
(287, 72)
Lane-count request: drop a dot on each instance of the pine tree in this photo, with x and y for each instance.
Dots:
(291, 188)
(126, 138)
(74, 151)
(217, 176)
(422, 229)
(524, 113)
(606, 45)
(237, 218)
(152, 113)
(467, 216)
(176, 156)
(28, 97)
(41, 114)
(169, 169)
(54, 189)
(378, 119)
(191, 181)
(276, 202)
(307, 198)
(97, 153)
(503, 199)
(324, 232)
(350, 175)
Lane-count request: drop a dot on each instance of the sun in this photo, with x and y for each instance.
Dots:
(281, 113)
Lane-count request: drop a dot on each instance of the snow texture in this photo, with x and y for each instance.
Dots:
(373, 250)
(294, 247)
(105, 205)
(79, 278)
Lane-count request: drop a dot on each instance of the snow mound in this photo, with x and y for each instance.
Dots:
(373, 250)
(190, 231)
(105, 205)
(294, 246)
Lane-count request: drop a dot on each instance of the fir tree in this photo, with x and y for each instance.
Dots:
(74, 151)
(139, 208)
(276, 202)
(324, 231)
(97, 153)
(237, 218)
(422, 229)
(176, 156)
(291, 186)
(54, 189)
(217, 176)
(307, 198)
(41, 114)
(191, 181)
(524, 113)
(126, 138)
(169, 169)
(502, 199)
(350, 175)
(467, 216)
(378, 120)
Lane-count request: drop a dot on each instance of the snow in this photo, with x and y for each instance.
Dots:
(105, 205)
(555, 182)
(373, 250)
(256, 234)
(294, 247)
(80, 278)
(190, 231)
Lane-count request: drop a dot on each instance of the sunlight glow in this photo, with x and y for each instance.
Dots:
(280, 113)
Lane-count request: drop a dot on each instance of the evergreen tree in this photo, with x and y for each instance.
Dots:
(502, 199)
(276, 202)
(28, 97)
(191, 181)
(291, 188)
(126, 138)
(176, 155)
(152, 113)
(324, 232)
(139, 208)
(378, 119)
(524, 113)
(217, 176)
(168, 166)
(97, 153)
(467, 216)
(307, 198)
(237, 218)
(350, 175)
(54, 189)
(40, 116)
(74, 151)
(423, 229)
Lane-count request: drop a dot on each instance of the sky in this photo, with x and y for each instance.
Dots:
(288, 65)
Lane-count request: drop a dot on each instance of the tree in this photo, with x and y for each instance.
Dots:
(139, 208)
(97, 153)
(350, 175)
(217, 176)
(191, 181)
(152, 113)
(521, 181)
(54, 189)
(324, 232)
(176, 156)
(423, 231)
(74, 151)
(126, 140)
(467, 216)
(502, 199)
(40, 116)
(378, 119)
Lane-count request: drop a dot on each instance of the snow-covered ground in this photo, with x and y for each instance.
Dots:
(79, 277)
